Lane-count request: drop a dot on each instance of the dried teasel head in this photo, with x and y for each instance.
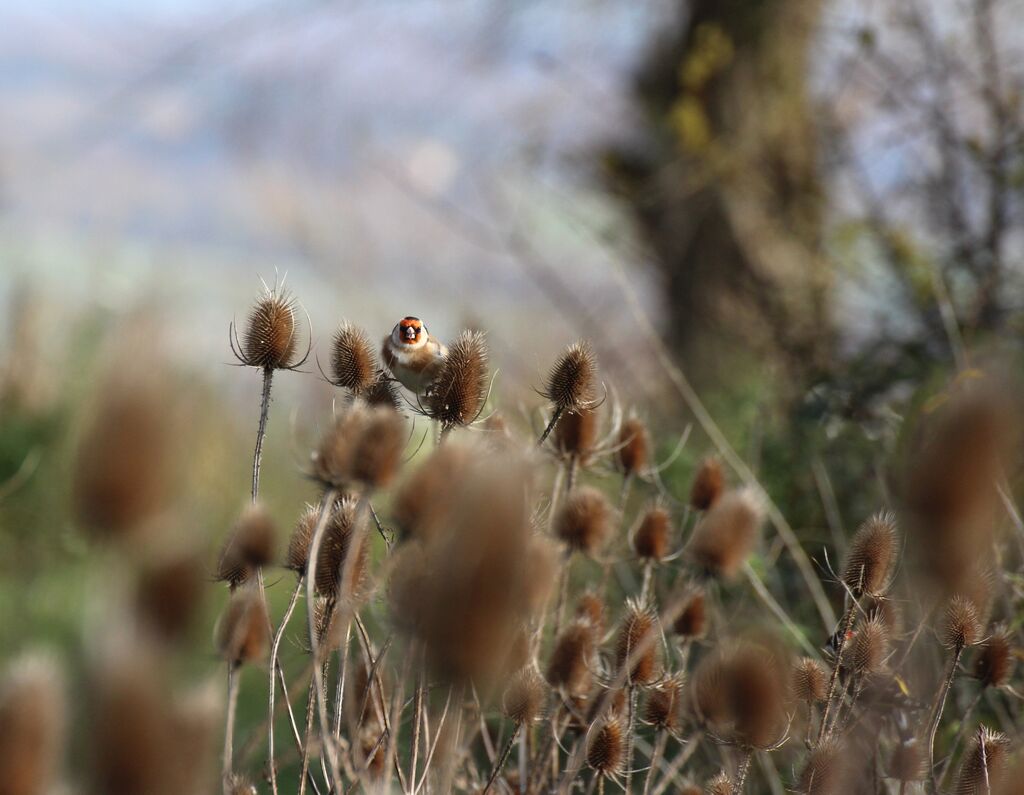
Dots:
(757, 694)
(809, 681)
(663, 709)
(573, 378)
(872, 557)
(908, 762)
(381, 391)
(569, 668)
(584, 522)
(606, 747)
(690, 789)
(239, 785)
(353, 362)
(576, 434)
(720, 785)
(993, 663)
(638, 644)
(525, 697)
(249, 546)
(961, 626)
(242, 633)
(709, 689)
(335, 547)
(169, 593)
(692, 621)
(297, 557)
(591, 608)
(983, 767)
(421, 504)
(333, 459)
(458, 394)
(725, 536)
(378, 449)
(708, 484)
(652, 534)
(634, 447)
(32, 722)
(870, 648)
(826, 770)
(270, 340)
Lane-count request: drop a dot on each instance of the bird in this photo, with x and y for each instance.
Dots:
(412, 355)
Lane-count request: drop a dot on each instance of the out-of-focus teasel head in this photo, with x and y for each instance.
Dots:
(575, 435)
(721, 784)
(908, 762)
(525, 698)
(757, 693)
(242, 633)
(634, 447)
(638, 644)
(250, 545)
(584, 523)
(591, 608)
(421, 502)
(32, 724)
(169, 593)
(652, 535)
(457, 395)
(692, 621)
(983, 767)
(240, 785)
(354, 364)
(335, 549)
(664, 706)
(809, 681)
(827, 770)
(872, 558)
(708, 484)
(994, 660)
(362, 448)
(725, 536)
(606, 747)
(709, 690)
(297, 556)
(571, 384)
(270, 340)
(570, 667)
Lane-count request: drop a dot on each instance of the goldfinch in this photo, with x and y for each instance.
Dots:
(412, 355)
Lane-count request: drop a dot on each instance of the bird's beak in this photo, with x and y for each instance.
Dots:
(410, 333)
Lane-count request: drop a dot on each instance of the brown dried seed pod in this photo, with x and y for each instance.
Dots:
(570, 665)
(353, 363)
(249, 546)
(961, 626)
(32, 720)
(634, 447)
(692, 621)
(584, 521)
(169, 594)
(459, 392)
(591, 608)
(639, 636)
(984, 764)
(242, 634)
(333, 459)
(757, 695)
(421, 503)
(810, 680)
(606, 747)
(271, 337)
(525, 697)
(725, 537)
(908, 762)
(576, 434)
(663, 709)
(826, 770)
(872, 557)
(652, 534)
(571, 382)
(870, 648)
(993, 664)
(240, 785)
(691, 789)
(297, 557)
(720, 785)
(378, 449)
(381, 391)
(334, 550)
(708, 484)
(709, 689)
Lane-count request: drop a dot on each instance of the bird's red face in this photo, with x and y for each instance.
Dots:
(410, 330)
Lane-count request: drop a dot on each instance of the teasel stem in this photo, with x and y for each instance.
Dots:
(648, 578)
(417, 717)
(744, 769)
(593, 782)
(630, 728)
(844, 630)
(777, 610)
(261, 432)
(542, 761)
(229, 726)
(275, 668)
(551, 426)
(659, 751)
(571, 470)
(306, 773)
(960, 734)
(937, 710)
(503, 758)
(314, 642)
(563, 591)
(339, 692)
(627, 484)
(680, 759)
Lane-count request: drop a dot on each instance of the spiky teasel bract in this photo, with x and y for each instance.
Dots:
(870, 647)
(872, 557)
(961, 626)
(32, 722)
(994, 661)
(250, 546)
(692, 621)
(353, 361)
(335, 548)
(570, 665)
(584, 522)
(652, 535)
(725, 536)
(721, 784)
(634, 447)
(606, 747)
(638, 644)
(242, 633)
(663, 708)
(908, 762)
(708, 484)
(573, 378)
(297, 557)
(810, 680)
(458, 394)
(576, 434)
(525, 697)
(270, 340)
(983, 767)
(826, 770)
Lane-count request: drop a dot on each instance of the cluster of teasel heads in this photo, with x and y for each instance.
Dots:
(500, 615)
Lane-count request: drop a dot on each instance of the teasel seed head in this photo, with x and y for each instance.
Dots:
(872, 557)
(591, 608)
(639, 635)
(993, 663)
(328, 629)
(525, 697)
(691, 789)
(984, 764)
(572, 380)
(961, 626)
(420, 505)
(692, 621)
(576, 434)
(381, 391)
(569, 668)
(606, 747)
(870, 647)
(652, 535)
(810, 681)
(708, 484)
(826, 770)
(335, 548)
(663, 709)
(584, 522)
(908, 762)
(458, 394)
(249, 546)
(720, 785)
(242, 633)
(169, 594)
(240, 785)
(757, 695)
(709, 689)
(725, 536)
(271, 337)
(32, 722)
(353, 362)
(297, 557)
(333, 459)
(634, 447)
(378, 450)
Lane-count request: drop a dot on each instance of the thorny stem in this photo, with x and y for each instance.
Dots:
(741, 774)
(937, 710)
(503, 758)
(840, 644)
(257, 457)
(229, 726)
(274, 667)
(551, 426)
(656, 754)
